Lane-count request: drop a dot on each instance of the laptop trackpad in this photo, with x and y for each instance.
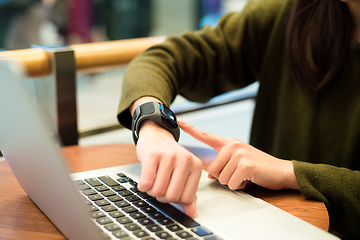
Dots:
(216, 201)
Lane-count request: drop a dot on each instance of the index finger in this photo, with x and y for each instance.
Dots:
(214, 141)
(148, 173)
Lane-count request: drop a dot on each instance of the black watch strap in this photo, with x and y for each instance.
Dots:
(158, 113)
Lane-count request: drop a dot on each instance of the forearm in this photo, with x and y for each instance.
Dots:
(197, 65)
(338, 188)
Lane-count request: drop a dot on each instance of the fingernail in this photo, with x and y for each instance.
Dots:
(181, 122)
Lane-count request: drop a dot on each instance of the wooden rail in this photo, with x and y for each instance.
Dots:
(64, 64)
(89, 57)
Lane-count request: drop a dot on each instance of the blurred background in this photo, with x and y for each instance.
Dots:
(47, 22)
(24, 23)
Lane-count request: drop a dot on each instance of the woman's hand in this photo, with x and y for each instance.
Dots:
(169, 171)
(238, 163)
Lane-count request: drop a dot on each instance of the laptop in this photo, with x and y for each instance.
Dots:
(105, 203)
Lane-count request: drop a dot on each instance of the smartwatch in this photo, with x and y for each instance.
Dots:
(158, 113)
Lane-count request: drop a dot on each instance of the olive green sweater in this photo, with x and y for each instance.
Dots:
(320, 134)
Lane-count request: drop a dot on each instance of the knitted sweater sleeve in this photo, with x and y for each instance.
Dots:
(339, 189)
(203, 64)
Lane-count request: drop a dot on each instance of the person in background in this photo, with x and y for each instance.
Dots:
(20, 21)
(305, 132)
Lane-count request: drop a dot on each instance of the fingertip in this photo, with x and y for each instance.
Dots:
(147, 177)
(141, 187)
(190, 209)
(181, 122)
(146, 182)
(183, 125)
(210, 176)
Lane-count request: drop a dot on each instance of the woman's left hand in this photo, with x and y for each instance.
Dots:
(237, 163)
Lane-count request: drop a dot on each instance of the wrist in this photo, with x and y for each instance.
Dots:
(158, 113)
(150, 128)
(291, 182)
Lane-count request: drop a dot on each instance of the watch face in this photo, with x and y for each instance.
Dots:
(170, 114)
(168, 117)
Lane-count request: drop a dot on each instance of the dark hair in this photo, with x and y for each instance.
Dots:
(317, 37)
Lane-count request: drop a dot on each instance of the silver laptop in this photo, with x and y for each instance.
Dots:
(105, 203)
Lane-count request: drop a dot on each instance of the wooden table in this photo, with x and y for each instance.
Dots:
(21, 219)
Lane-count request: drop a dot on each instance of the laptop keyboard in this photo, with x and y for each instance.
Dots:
(123, 212)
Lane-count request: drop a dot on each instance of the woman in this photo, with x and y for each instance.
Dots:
(305, 133)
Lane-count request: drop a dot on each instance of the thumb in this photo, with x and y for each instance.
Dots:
(216, 142)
